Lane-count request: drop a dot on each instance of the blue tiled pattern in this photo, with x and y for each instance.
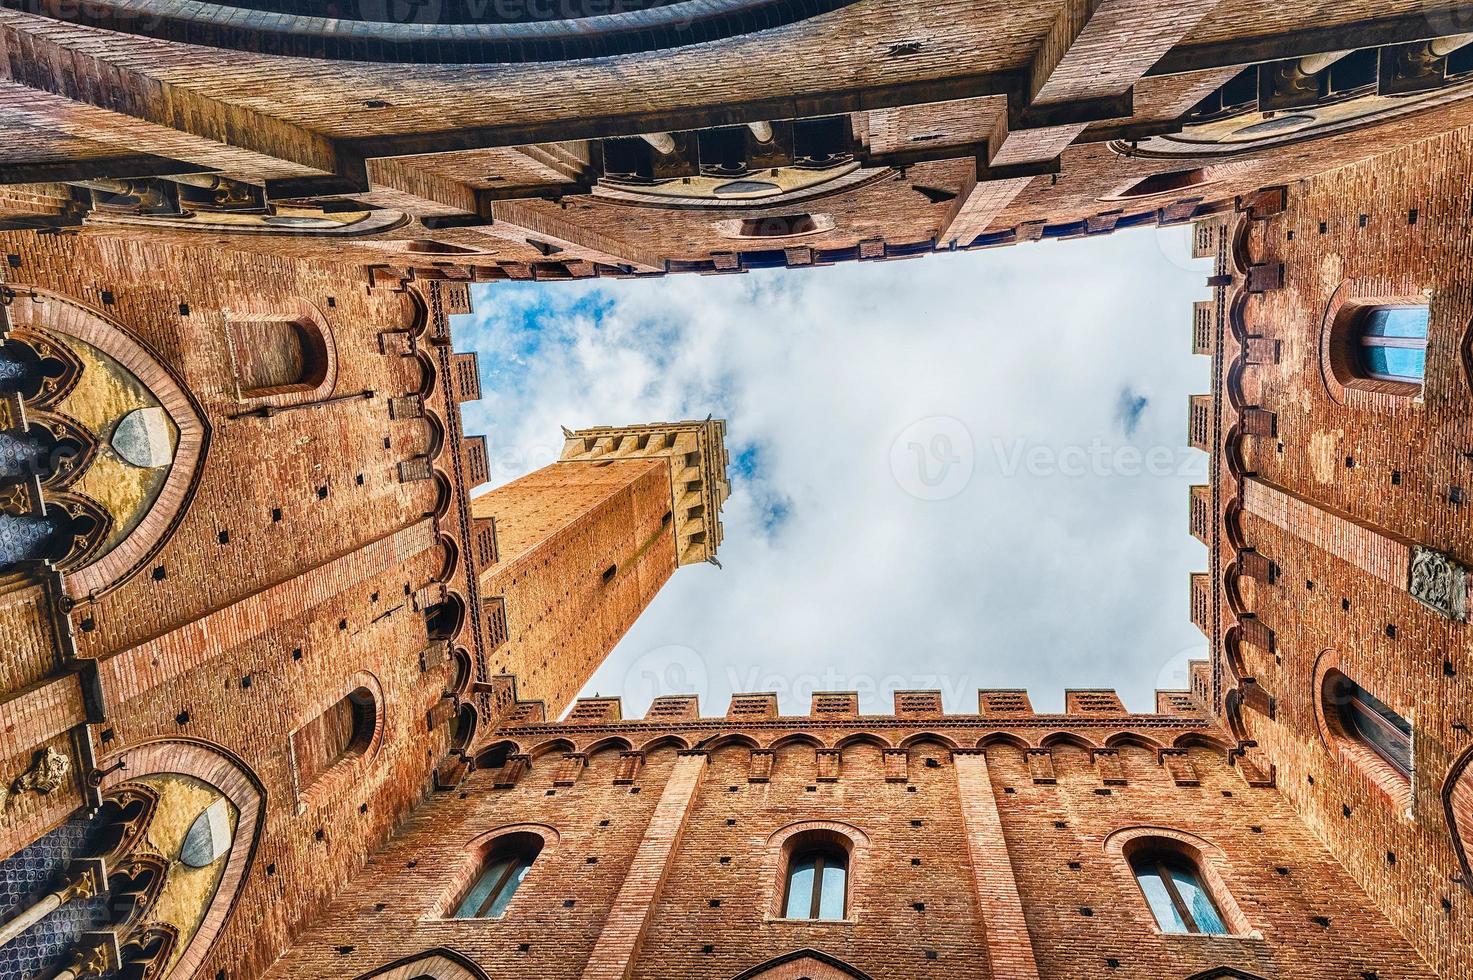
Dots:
(29, 875)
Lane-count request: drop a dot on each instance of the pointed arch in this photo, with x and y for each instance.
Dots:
(1201, 740)
(53, 316)
(1224, 973)
(1055, 739)
(438, 964)
(1457, 802)
(612, 742)
(233, 779)
(910, 741)
(864, 738)
(665, 742)
(796, 738)
(494, 756)
(732, 739)
(806, 962)
(551, 745)
(1136, 739)
(1003, 738)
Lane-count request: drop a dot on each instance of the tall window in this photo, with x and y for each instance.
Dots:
(1173, 886)
(818, 882)
(1393, 343)
(1367, 721)
(506, 865)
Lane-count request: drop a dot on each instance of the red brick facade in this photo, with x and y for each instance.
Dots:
(258, 571)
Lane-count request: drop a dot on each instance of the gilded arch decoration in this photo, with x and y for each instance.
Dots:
(134, 441)
(204, 825)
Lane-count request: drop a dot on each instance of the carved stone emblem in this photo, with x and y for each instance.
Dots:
(1436, 581)
(48, 771)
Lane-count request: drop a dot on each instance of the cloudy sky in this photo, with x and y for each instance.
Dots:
(963, 471)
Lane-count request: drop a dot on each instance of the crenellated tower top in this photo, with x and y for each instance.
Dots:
(698, 482)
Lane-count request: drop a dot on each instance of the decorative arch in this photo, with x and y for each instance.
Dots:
(1055, 739)
(1201, 740)
(558, 745)
(1003, 738)
(1457, 803)
(467, 721)
(796, 738)
(451, 560)
(863, 738)
(48, 318)
(730, 740)
(810, 963)
(1224, 973)
(910, 741)
(666, 742)
(435, 964)
(495, 755)
(217, 767)
(1135, 739)
(435, 434)
(618, 742)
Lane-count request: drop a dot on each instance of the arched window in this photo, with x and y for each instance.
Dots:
(1174, 889)
(274, 356)
(506, 864)
(342, 732)
(818, 882)
(1393, 343)
(1364, 720)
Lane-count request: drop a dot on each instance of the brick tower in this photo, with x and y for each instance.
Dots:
(584, 544)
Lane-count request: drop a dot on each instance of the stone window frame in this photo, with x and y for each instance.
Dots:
(1212, 867)
(1339, 349)
(349, 768)
(302, 314)
(1365, 763)
(785, 842)
(472, 860)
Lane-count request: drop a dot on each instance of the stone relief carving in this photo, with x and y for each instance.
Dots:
(48, 772)
(1439, 582)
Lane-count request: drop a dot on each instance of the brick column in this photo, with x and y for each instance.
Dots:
(1009, 949)
(618, 944)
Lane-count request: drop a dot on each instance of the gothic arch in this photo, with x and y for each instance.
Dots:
(50, 315)
(810, 963)
(1457, 802)
(435, 964)
(227, 774)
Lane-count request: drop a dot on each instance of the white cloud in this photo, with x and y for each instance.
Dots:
(1061, 562)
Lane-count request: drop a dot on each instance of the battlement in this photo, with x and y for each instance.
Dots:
(841, 708)
(698, 464)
